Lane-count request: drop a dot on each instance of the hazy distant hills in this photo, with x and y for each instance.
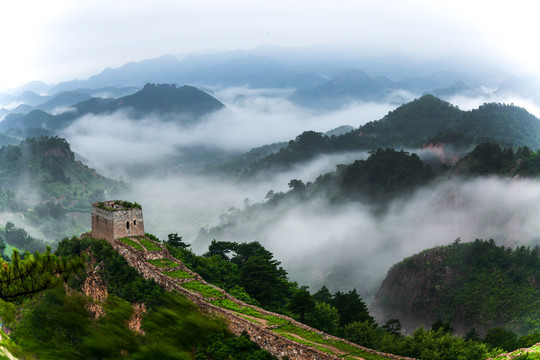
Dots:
(458, 88)
(349, 85)
(160, 99)
(322, 77)
(353, 85)
(258, 72)
(59, 101)
(222, 71)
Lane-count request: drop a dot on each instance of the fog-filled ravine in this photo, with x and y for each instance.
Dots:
(191, 172)
(342, 245)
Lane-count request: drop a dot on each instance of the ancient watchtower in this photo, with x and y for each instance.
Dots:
(116, 219)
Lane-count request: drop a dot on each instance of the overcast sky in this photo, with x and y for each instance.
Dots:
(58, 40)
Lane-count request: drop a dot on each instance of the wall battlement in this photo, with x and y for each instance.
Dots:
(116, 219)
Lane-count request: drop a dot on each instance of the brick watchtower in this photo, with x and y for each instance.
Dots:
(116, 219)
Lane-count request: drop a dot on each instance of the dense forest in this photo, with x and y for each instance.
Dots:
(476, 284)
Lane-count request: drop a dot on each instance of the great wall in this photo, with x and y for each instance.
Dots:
(121, 224)
(262, 331)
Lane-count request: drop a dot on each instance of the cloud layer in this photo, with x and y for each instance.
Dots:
(346, 246)
(113, 143)
(342, 246)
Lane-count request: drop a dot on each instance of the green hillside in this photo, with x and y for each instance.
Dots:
(411, 126)
(41, 179)
(60, 324)
(472, 285)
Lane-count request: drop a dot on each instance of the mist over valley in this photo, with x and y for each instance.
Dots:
(383, 189)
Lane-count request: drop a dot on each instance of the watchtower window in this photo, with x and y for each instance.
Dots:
(127, 225)
(134, 222)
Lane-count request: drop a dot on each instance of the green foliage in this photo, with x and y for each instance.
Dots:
(246, 265)
(178, 274)
(324, 317)
(351, 307)
(232, 348)
(492, 159)
(205, 290)
(302, 303)
(241, 294)
(365, 333)
(323, 295)
(132, 243)
(527, 356)
(33, 274)
(392, 326)
(47, 165)
(173, 327)
(385, 173)
(443, 326)
(490, 285)
(246, 310)
(58, 326)
(501, 338)
(19, 238)
(163, 263)
(422, 121)
(110, 337)
(150, 246)
(123, 205)
(41, 173)
(55, 327)
(440, 345)
(122, 280)
(176, 241)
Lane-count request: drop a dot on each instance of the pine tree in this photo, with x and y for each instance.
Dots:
(34, 273)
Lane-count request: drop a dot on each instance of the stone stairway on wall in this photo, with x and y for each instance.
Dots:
(282, 336)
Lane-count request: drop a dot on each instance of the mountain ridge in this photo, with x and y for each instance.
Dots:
(162, 99)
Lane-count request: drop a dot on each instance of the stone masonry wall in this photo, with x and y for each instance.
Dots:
(273, 342)
(116, 224)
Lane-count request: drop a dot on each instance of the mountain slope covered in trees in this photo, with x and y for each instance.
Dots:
(471, 285)
(41, 179)
(412, 126)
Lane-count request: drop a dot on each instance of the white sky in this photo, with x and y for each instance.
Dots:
(57, 40)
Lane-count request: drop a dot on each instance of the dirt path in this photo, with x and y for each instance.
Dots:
(335, 350)
(263, 322)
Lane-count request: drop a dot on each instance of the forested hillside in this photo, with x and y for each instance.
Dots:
(470, 285)
(41, 179)
(424, 121)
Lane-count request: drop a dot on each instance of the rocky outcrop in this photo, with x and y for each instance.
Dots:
(407, 288)
(96, 289)
(135, 321)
